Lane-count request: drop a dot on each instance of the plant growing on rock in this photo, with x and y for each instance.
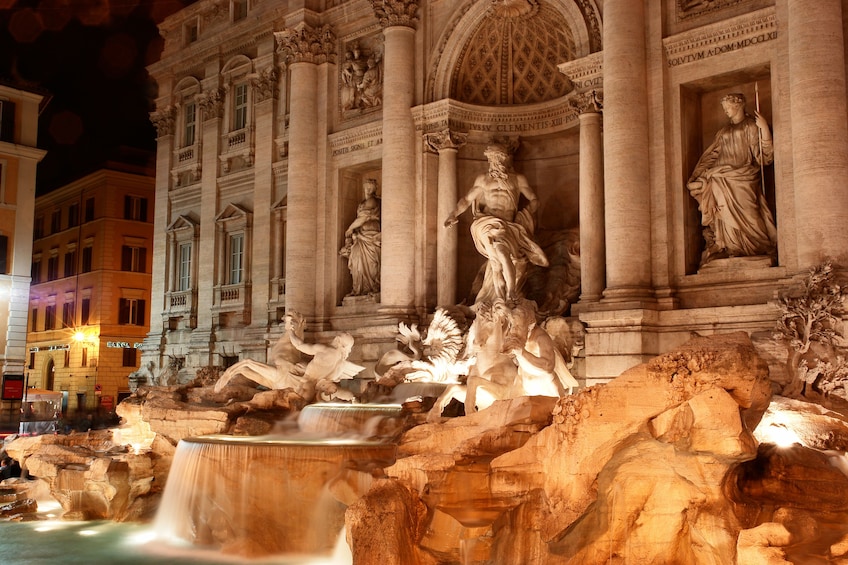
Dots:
(811, 317)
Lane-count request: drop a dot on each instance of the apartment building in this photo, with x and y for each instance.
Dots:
(19, 156)
(90, 293)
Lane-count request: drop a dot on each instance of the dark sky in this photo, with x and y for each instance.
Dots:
(89, 56)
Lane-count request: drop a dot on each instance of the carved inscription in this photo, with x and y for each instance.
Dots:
(690, 47)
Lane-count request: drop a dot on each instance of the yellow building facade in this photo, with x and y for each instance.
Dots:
(90, 294)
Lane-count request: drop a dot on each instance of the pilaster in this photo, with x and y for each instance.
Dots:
(265, 95)
(211, 102)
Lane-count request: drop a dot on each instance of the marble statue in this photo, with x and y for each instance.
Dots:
(509, 356)
(352, 71)
(542, 370)
(727, 183)
(371, 86)
(316, 378)
(143, 376)
(433, 357)
(502, 233)
(363, 242)
(362, 80)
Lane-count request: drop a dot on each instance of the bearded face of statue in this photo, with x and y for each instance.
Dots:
(497, 161)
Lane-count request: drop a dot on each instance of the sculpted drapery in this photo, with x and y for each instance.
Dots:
(727, 184)
(363, 243)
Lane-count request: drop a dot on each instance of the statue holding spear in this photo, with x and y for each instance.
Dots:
(728, 184)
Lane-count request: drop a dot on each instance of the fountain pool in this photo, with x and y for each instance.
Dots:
(87, 543)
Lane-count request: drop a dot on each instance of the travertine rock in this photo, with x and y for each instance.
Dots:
(651, 448)
(591, 426)
(90, 476)
(795, 477)
(762, 545)
(386, 525)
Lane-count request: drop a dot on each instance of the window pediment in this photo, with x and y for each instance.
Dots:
(233, 213)
(182, 223)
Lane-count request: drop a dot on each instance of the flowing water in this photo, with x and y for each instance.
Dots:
(274, 495)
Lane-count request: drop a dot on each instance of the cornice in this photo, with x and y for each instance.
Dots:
(585, 73)
(356, 138)
(548, 117)
(721, 37)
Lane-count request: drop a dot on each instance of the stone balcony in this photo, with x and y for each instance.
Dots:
(231, 304)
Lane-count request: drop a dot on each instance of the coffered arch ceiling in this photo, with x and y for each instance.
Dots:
(505, 52)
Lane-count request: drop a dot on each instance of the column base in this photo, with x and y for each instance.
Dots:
(629, 295)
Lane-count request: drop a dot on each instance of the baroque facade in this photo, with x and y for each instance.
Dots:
(271, 115)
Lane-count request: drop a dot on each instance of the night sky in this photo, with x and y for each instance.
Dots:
(89, 56)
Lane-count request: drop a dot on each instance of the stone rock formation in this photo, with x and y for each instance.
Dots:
(93, 478)
(670, 430)
(119, 474)
(684, 459)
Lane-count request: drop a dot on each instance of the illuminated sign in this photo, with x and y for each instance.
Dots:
(123, 345)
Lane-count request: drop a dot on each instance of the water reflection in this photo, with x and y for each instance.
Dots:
(91, 543)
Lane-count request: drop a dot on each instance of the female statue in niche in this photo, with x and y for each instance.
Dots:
(727, 183)
(363, 243)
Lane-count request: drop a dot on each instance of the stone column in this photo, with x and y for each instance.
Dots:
(819, 136)
(627, 197)
(397, 277)
(302, 46)
(446, 143)
(592, 251)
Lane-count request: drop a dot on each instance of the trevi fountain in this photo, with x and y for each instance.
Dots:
(451, 368)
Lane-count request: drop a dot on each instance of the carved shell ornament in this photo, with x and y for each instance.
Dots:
(514, 8)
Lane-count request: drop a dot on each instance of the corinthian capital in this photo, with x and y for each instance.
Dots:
(305, 44)
(265, 84)
(212, 103)
(396, 12)
(163, 120)
(589, 102)
(445, 139)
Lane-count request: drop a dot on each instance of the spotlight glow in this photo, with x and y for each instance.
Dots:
(779, 427)
(779, 435)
